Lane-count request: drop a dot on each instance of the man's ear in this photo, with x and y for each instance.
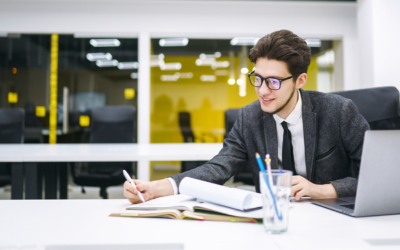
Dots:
(301, 80)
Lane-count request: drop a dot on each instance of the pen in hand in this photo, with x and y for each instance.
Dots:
(129, 179)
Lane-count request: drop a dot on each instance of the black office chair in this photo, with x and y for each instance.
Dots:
(379, 106)
(184, 119)
(244, 175)
(110, 124)
(11, 131)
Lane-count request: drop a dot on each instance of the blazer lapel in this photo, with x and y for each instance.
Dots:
(271, 139)
(310, 128)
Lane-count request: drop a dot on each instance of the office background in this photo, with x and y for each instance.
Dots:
(357, 50)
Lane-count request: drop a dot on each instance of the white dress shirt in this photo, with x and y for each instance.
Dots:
(295, 125)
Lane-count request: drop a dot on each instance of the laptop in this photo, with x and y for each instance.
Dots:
(378, 190)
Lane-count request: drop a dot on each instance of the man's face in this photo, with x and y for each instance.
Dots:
(281, 101)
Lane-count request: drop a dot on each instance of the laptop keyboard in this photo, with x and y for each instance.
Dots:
(351, 206)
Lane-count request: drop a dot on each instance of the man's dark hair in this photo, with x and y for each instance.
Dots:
(285, 46)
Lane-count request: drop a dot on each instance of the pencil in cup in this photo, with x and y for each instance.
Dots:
(262, 168)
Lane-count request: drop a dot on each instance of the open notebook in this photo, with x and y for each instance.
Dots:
(201, 200)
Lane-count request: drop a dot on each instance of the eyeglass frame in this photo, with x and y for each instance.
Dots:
(266, 82)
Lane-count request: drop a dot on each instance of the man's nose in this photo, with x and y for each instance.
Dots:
(264, 90)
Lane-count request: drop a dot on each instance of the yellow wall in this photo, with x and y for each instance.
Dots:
(206, 101)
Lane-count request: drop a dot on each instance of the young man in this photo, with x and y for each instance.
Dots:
(318, 136)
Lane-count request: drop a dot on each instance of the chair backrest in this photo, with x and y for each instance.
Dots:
(230, 118)
(184, 119)
(113, 124)
(12, 125)
(379, 106)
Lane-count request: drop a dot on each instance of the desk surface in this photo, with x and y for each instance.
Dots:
(77, 222)
(108, 152)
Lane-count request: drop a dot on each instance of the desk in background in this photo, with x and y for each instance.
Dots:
(26, 156)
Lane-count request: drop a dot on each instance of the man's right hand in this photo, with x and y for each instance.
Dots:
(149, 190)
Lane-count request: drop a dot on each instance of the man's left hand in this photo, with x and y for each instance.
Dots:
(302, 187)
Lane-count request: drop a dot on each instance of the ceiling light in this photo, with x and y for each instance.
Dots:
(242, 93)
(231, 81)
(205, 62)
(244, 41)
(106, 63)
(173, 42)
(208, 56)
(223, 64)
(239, 82)
(134, 75)
(105, 42)
(156, 63)
(208, 78)
(170, 66)
(128, 65)
(169, 78)
(313, 42)
(98, 56)
(244, 70)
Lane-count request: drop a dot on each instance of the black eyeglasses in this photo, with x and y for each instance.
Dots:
(272, 83)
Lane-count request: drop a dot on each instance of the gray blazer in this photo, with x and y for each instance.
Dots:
(333, 137)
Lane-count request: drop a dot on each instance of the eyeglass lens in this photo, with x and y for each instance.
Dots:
(272, 82)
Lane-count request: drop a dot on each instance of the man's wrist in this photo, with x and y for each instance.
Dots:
(327, 191)
(162, 188)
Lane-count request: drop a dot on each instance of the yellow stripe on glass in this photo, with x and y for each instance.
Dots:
(53, 88)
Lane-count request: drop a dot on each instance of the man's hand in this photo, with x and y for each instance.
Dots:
(302, 187)
(149, 190)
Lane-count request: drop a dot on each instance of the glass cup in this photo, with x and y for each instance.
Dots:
(276, 200)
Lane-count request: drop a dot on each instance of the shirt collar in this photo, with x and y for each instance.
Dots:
(293, 117)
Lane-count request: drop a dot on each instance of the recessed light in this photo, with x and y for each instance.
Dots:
(173, 42)
(244, 41)
(313, 42)
(128, 65)
(98, 56)
(208, 78)
(105, 42)
(106, 63)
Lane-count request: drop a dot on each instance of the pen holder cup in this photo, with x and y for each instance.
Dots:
(275, 191)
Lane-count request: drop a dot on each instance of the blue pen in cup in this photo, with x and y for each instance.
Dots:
(261, 166)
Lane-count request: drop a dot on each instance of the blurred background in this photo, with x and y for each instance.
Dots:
(180, 64)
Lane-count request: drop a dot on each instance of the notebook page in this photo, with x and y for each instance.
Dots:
(210, 192)
(255, 214)
(171, 201)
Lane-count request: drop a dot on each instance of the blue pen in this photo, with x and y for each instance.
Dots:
(261, 166)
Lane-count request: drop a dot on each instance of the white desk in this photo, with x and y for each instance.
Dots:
(78, 222)
(142, 153)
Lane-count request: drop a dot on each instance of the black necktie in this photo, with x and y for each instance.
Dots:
(287, 150)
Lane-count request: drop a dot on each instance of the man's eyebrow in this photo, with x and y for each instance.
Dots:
(277, 77)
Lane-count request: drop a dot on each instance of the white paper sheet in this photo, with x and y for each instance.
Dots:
(213, 193)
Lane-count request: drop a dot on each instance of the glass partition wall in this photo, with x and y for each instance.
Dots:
(195, 81)
(92, 72)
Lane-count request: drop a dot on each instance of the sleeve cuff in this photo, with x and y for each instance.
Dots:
(174, 186)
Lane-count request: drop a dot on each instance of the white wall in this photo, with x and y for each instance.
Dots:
(378, 22)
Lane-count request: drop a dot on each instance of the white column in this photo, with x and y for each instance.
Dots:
(144, 89)
(378, 42)
(143, 170)
(351, 79)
